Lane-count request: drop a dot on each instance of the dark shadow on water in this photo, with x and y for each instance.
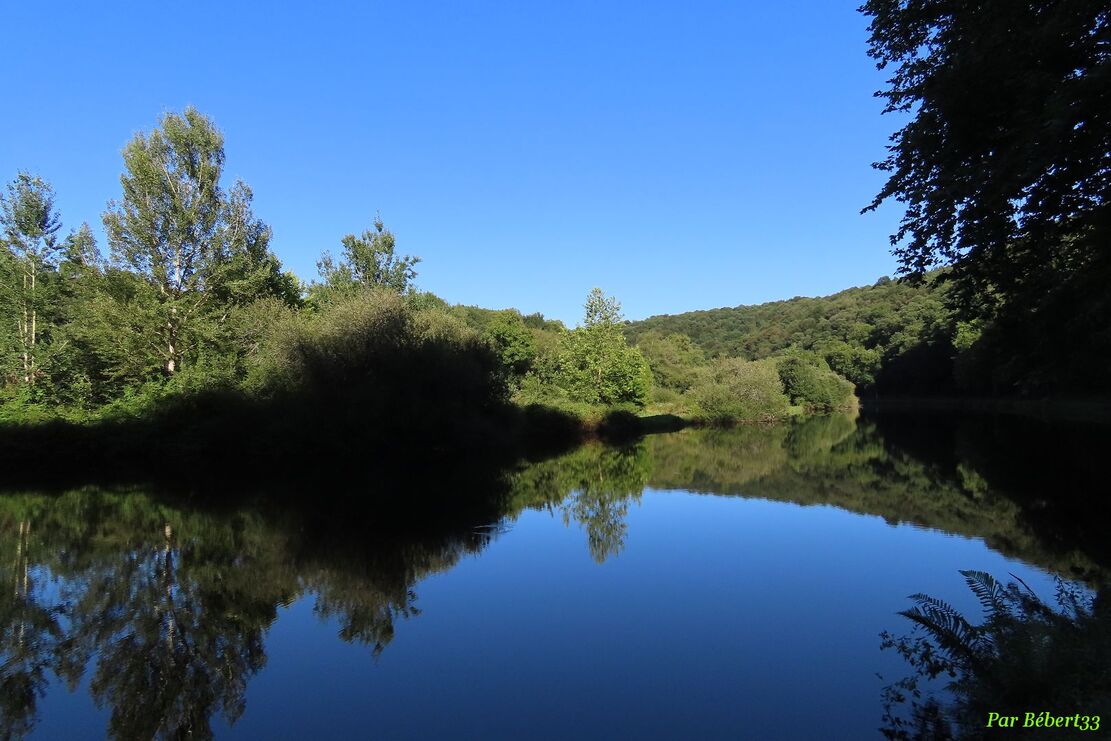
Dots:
(161, 598)
(162, 601)
(220, 444)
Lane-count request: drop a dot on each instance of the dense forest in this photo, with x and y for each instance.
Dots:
(890, 336)
(1002, 288)
(895, 337)
(1004, 175)
(189, 324)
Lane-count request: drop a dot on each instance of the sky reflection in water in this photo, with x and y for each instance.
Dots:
(677, 587)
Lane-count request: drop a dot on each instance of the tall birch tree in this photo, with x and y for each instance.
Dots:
(199, 248)
(29, 224)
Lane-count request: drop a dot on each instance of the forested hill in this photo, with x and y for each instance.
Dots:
(862, 332)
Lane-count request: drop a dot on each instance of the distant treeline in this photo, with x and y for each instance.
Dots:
(897, 337)
(888, 336)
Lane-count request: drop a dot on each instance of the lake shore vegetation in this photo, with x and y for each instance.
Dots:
(187, 335)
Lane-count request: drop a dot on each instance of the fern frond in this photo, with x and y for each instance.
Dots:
(987, 590)
(955, 636)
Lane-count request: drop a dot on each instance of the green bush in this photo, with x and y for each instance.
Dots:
(740, 390)
(536, 391)
(675, 360)
(513, 341)
(809, 382)
(376, 368)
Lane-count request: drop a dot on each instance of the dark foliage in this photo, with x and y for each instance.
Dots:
(1005, 171)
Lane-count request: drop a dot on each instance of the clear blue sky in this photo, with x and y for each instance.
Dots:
(678, 155)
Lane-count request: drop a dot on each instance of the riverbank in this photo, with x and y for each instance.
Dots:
(210, 444)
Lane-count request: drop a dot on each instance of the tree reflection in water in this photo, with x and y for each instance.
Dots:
(169, 607)
(164, 606)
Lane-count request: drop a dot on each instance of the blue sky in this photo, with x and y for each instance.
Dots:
(678, 155)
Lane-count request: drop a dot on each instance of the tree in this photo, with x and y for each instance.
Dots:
(596, 364)
(71, 369)
(246, 269)
(808, 381)
(30, 227)
(369, 260)
(513, 341)
(197, 247)
(1004, 166)
(674, 358)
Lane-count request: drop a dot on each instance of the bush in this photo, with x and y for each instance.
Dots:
(809, 382)
(536, 391)
(381, 368)
(675, 359)
(513, 341)
(739, 390)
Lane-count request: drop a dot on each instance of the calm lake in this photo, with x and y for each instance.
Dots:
(705, 583)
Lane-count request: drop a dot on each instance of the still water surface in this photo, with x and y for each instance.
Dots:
(727, 584)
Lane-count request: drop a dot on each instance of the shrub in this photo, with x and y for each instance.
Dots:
(674, 359)
(513, 341)
(809, 382)
(381, 368)
(739, 390)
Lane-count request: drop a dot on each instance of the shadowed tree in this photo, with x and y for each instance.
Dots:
(1005, 171)
(1004, 166)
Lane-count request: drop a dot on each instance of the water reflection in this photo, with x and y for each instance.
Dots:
(1030, 490)
(1027, 657)
(168, 607)
(164, 607)
(1027, 488)
(591, 487)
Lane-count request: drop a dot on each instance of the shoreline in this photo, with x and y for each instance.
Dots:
(1092, 410)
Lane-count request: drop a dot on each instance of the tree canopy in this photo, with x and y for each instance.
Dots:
(596, 364)
(196, 246)
(369, 260)
(1004, 167)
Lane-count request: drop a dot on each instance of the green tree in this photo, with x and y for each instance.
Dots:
(857, 364)
(595, 364)
(676, 361)
(246, 269)
(369, 260)
(198, 248)
(513, 341)
(29, 226)
(70, 368)
(809, 382)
